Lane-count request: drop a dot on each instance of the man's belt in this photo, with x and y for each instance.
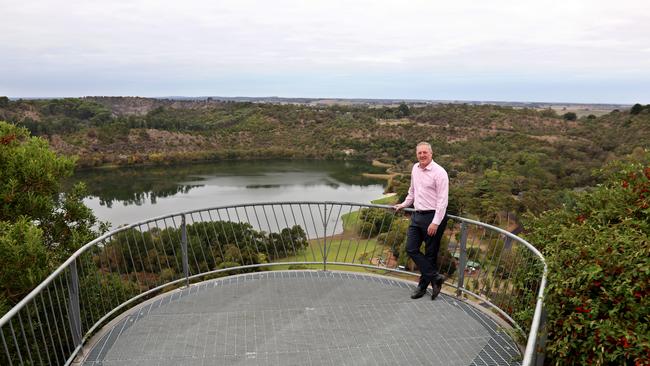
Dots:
(425, 212)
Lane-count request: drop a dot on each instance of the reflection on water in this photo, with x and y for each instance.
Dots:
(133, 194)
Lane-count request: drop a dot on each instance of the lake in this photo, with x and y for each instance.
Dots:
(131, 194)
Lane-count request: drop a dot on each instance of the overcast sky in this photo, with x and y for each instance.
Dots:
(508, 50)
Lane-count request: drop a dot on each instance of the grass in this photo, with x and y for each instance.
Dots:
(351, 219)
(347, 247)
(387, 200)
(340, 249)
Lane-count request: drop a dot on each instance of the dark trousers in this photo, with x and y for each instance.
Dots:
(417, 233)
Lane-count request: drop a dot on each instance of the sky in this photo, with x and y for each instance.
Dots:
(581, 51)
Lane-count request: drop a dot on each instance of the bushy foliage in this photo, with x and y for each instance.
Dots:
(23, 257)
(598, 255)
(395, 237)
(374, 221)
(636, 109)
(39, 226)
(211, 245)
(570, 116)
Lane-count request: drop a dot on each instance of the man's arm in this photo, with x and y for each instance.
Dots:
(408, 200)
(442, 187)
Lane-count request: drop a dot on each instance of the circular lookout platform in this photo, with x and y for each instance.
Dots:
(302, 318)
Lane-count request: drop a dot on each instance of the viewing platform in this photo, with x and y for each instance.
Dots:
(303, 318)
(295, 283)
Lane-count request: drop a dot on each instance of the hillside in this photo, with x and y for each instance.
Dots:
(526, 156)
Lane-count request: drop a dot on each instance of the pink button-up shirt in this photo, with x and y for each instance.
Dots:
(429, 190)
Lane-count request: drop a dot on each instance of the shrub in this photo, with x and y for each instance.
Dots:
(395, 237)
(598, 256)
(570, 116)
(636, 109)
(375, 221)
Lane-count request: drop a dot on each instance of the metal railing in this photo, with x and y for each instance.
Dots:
(121, 268)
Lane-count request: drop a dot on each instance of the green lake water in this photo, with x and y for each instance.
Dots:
(127, 195)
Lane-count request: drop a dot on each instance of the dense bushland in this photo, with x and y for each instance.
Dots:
(598, 254)
(501, 161)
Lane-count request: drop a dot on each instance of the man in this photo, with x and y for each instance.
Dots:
(429, 194)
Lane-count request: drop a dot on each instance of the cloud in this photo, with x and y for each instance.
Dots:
(220, 39)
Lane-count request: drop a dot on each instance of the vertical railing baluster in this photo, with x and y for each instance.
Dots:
(541, 340)
(184, 251)
(31, 326)
(462, 259)
(42, 329)
(4, 343)
(73, 296)
(325, 237)
(22, 331)
(13, 336)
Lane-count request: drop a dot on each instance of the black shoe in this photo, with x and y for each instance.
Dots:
(418, 293)
(436, 286)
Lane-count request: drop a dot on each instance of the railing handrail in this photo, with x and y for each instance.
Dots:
(535, 324)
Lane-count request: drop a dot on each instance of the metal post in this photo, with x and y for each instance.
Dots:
(186, 271)
(463, 257)
(540, 351)
(325, 238)
(75, 311)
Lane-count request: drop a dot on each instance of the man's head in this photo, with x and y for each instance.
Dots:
(424, 153)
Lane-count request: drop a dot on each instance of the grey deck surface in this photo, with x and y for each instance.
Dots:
(303, 318)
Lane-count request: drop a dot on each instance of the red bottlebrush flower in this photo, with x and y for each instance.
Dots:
(5, 140)
(581, 218)
(625, 184)
(637, 294)
(597, 283)
(581, 309)
(626, 344)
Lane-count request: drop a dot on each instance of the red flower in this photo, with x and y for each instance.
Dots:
(625, 184)
(623, 340)
(581, 218)
(580, 309)
(5, 140)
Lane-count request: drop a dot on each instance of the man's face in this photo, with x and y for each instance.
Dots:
(424, 155)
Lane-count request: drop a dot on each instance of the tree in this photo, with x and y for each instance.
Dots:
(403, 110)
(636, 109)
(39, 226)
(570, 116)
(4, 101)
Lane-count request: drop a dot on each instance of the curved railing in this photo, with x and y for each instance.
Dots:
(484, 264)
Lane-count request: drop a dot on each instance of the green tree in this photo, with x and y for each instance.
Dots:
(636, 109)
(4, 101)
(39, 226)
(570, 116)
(403, 110)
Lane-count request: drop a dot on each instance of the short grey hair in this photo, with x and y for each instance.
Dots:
(424, 143)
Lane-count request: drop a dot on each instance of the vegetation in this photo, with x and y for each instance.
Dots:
(500, 159)
(503, 163)
(598, 254)
(39, 227)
